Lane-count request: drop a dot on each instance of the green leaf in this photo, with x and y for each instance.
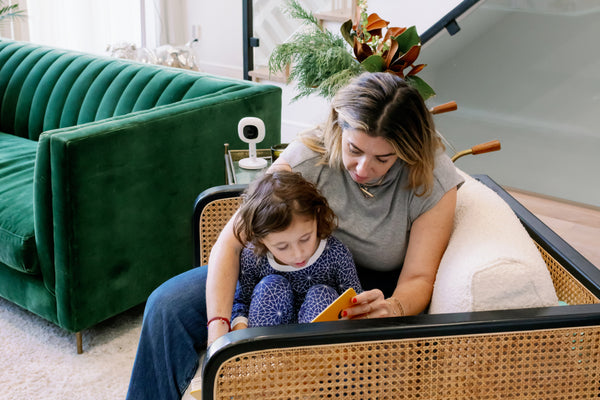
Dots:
(373, 63)
(408, 39)
(296, 11)
(424, 89)
(345, 30)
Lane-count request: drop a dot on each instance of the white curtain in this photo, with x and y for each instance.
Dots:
(171, 20)
(92, 25)
(85, 25)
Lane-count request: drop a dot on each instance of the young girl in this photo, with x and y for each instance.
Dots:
(291, 268)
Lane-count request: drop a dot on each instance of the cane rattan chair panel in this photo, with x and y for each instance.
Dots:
(568, 289)
(216, 214)
(543, 364)
(212, 220)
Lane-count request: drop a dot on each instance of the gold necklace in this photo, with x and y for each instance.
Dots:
(364, 188)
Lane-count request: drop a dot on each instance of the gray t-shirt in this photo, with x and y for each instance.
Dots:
(374, 229)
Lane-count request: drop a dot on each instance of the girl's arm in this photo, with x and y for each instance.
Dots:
(223, 271)
(427, 242)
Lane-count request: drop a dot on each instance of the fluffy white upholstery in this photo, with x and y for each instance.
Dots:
(491, 262)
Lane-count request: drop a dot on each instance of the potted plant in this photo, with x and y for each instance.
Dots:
(322, 62)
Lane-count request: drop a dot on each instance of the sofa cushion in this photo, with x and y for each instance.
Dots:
(17, 241)
(491, 262)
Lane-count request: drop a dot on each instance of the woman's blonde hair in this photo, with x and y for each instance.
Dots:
(382, 104)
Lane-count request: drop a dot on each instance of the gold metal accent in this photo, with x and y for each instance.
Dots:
(79, 340)
(366, 191)
(365, 188)
(461, 154)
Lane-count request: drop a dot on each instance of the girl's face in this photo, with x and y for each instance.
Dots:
(365, 157)
(296, 244)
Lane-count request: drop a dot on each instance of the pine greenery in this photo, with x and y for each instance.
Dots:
(320, 61)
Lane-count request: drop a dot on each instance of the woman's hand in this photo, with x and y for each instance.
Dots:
(370, 304)
(239, 326)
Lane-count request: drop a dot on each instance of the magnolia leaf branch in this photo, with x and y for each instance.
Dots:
(322, 62)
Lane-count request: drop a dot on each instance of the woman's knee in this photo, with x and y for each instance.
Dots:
(176, 298)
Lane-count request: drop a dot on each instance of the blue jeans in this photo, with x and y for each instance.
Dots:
(173, 336)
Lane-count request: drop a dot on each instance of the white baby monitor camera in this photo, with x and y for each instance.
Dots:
(252, 130)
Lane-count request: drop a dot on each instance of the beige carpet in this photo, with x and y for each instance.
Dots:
(39, 360)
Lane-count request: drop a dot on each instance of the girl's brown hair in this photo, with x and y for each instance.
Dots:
(270, 204)
(382, 104)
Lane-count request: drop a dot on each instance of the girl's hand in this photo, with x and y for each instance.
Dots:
(370, 304)
(221, 329)
(238, 326)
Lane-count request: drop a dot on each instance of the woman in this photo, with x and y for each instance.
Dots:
(381, 166)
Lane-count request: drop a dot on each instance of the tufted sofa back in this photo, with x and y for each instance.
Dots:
(45, 88)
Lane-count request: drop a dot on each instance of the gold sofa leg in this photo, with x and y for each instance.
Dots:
(79, 342)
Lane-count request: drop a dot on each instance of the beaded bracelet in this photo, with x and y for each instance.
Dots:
(220, 319)
(399, 308)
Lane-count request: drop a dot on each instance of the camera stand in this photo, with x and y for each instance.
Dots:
(253, 162)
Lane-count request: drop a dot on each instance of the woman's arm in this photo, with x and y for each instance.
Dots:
(427, 242)
(223, 271)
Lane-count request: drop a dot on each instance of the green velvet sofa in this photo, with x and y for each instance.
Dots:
(100, 162)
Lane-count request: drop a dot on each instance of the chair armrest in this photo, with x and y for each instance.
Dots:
(414, 355)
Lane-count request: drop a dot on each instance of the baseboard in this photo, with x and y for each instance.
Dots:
(221, 70)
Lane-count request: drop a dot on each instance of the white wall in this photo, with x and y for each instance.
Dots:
(421, 13)
(218, 25)
(219, 47)
(528, 77)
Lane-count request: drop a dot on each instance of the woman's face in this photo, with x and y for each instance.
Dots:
(365, 157)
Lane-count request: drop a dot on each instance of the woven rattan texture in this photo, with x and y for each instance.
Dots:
(568, 288)
(216, 214)
(212, 220)
(544, 364)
